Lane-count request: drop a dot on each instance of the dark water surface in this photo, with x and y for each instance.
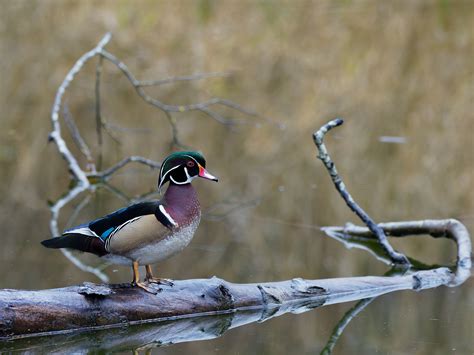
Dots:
(401, 75)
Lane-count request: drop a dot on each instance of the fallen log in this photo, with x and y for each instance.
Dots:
(90, 306)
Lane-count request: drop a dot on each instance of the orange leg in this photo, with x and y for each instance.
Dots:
(136, 279)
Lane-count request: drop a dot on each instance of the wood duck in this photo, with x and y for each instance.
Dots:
(147, 232)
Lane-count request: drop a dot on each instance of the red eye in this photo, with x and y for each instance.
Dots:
(190, 164)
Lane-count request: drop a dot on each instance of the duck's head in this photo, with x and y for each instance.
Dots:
(181, 168)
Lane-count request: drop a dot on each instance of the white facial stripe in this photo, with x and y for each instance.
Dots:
(167, 215)
(182, 182)
(187, 174)
(176, 182)
(161, 178)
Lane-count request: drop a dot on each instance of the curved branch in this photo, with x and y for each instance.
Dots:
(356, 236)
(341, 188)
(55, 135)
(53, 227)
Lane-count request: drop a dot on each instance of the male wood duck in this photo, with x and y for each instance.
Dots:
(147, 232)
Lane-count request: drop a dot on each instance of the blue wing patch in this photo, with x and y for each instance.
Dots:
(104, 235)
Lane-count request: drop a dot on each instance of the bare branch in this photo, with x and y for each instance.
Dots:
(355, 236)
(117, 192)
(174, 132)
(99, 50)
(108, 172)
(107, 128)
(341, 188)
(55, 135)
(200, 106)
(218, 117)
(75, 213)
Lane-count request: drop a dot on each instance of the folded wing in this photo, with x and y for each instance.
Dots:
(93, 237)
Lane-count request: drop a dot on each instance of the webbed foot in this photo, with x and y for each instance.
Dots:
(157, 280)
(145, 287)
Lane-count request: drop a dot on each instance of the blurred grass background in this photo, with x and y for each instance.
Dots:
(400, 68)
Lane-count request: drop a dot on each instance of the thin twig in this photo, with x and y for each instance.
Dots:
(318, 136)
(200, 106)
(174, 132)
(219, 118)
(75, 213)
(148, 162)
(119, 128)
(107, 127)
(117, 192)
(98, 110)
(77, 138)
(192, 77)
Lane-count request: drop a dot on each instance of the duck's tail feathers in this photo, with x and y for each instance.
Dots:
(76, 241)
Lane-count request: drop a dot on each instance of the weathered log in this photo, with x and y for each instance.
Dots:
(95, 306)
